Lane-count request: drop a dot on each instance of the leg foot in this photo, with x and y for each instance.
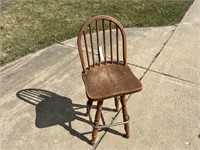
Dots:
(125, 115)
(89, 107)
(96, 122)
(117, 103)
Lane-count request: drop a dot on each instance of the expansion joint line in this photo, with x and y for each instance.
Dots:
(74, 47)
(164, 74)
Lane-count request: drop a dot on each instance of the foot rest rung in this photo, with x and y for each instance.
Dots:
(105, 126)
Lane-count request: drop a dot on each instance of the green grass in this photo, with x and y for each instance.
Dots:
(29, 25)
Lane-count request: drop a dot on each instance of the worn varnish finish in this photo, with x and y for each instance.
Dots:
(111, 80)
(108, 78)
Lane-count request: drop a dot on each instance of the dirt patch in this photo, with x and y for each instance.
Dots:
(5, 2)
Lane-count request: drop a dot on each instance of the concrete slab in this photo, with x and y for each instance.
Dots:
(55, 69)
(181, 56)
(43, 101)
(42, 96)
(165, 115)
(36, 67)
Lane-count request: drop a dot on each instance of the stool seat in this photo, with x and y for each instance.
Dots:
(110, 80)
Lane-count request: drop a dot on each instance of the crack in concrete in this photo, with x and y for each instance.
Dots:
(156, 56)
(106, 130)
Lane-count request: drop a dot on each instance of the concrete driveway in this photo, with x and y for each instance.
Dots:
(42, 96)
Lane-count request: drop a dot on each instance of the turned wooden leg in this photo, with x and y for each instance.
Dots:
(96, 122)
(89, 103)
(117, 103)
(125, 115)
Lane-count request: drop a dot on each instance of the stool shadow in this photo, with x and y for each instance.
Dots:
(53, 109)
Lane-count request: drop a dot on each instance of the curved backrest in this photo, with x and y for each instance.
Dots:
(87, 40)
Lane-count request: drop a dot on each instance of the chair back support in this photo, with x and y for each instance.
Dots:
(100, 42)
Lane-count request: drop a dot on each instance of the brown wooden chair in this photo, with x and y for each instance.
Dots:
(105, 70)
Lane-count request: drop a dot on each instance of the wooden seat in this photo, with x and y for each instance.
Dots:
(111, 80)
(103, 54)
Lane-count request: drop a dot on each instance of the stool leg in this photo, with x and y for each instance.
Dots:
(117, 103)
(89, 103)
(96, 121)
(125, 115)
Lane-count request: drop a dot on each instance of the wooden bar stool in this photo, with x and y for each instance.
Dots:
(103, 53)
